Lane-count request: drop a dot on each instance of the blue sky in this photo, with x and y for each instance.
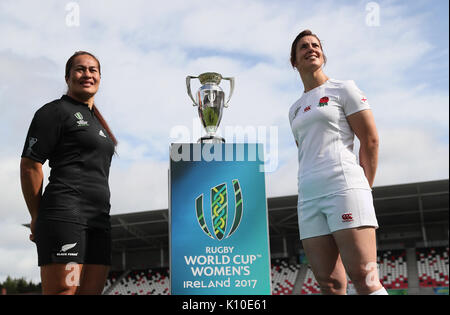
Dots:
(147, 48)
(435, 29)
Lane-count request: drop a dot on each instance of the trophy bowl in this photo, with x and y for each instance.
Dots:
(210, 100)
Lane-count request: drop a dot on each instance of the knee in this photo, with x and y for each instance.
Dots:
(332, 285)
(60, 290)
(365, 279)
(59, 287)
(68, 291)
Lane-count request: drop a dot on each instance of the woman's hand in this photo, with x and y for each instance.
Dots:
(31, 179)
(32, 226)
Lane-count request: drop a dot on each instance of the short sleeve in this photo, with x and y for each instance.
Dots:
(354, 99)
(43, 135)
(293, 111)
(291, 117)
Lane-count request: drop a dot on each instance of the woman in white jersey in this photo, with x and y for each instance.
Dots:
(337, 219)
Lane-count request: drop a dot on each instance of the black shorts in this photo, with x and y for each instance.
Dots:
(65, 242)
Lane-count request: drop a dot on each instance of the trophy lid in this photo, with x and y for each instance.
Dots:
(212, 77)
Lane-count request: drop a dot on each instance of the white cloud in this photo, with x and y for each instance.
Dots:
(408, 155)
(10, 186)
(140, 186)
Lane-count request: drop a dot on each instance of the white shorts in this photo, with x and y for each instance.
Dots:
(344, 210)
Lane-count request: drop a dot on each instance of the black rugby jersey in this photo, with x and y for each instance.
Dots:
(79, 150)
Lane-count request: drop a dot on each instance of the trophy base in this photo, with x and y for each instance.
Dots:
(211, 139)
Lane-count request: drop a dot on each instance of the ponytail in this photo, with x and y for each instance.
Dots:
(104, 124)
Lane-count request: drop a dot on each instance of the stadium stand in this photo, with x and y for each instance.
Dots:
(284, 276)
(310, 285)
(393, 271)
(432, 264)
(143, 282)
(113, 276)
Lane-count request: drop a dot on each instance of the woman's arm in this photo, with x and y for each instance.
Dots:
(31, 179)
(363, 124)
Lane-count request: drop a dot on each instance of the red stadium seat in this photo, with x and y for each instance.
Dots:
(432, 265)
(143, 282)
(284, 276)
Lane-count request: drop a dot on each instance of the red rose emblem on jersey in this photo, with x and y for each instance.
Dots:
(323, 101)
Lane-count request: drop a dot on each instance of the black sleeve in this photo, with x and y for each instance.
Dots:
(44, 134)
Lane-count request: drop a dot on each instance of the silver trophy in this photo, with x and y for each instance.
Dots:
(210, 100)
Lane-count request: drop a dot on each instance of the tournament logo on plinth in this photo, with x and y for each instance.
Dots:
(219, 209)
(218, 224)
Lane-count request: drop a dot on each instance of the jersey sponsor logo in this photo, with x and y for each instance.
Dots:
(63, 252)
(308, 108)
(102, 134)
(81, 122)
(347, 217)
(323, 101)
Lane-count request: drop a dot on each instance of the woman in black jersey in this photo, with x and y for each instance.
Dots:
(70, 221)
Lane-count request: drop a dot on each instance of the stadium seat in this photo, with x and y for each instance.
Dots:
(310, 285)
(432, 265)
(393, 271)
(143, 282)
(112, 277)
(284, 276)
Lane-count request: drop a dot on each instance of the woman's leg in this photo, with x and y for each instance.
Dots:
(323, 256)
(97, 261)
(357, 247)
(93, 279)
(61, 279)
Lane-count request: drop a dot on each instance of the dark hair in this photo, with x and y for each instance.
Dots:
(297, 39)
(69, 65)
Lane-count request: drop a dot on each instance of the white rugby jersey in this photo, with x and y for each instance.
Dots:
(327, 163)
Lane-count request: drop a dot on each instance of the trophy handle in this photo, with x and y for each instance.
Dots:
(231, 89)
(188, 85)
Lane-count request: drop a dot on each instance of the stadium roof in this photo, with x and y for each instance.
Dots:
(415, 212)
